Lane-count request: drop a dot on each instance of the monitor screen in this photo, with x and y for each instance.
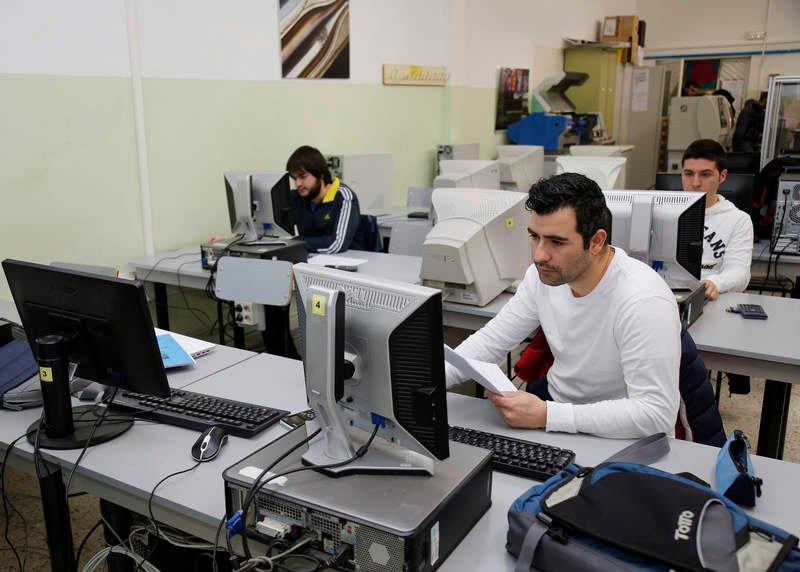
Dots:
(661, 228)
(468, 174)
(272, 203)
(607, 172)
(520, 166)
(105, 322)
(378, 360)
(259, 204)
(478, 245)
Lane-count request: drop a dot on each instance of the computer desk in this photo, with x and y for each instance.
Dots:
(788, 265)
(715, 341)
(124, 470)
(54, 465)
(768, 349)
(183, 268)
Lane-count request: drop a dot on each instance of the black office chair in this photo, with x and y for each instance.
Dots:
(743, 162)
(736, 188)
(368, 235)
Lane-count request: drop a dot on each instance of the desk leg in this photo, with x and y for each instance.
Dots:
(162, 310)
(56, 519)
(221, 322)
(238, 337)
(774, 416)
(277, 336)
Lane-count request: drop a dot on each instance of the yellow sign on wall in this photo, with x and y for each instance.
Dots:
(395, 74)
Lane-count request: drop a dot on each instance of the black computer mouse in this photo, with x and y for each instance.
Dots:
(209, 444)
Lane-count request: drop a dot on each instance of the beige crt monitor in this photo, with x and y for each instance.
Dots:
(520, 166)
(478, 245)
(696, 117)
(468, 174)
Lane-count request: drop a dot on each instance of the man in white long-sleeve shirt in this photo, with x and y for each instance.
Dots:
(611, 322)
(728, 235)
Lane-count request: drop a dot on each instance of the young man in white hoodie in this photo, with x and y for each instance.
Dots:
(728, 236)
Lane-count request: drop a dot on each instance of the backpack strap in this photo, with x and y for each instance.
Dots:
(529, 544)
(644, 451)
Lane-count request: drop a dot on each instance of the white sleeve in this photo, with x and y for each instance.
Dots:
(649, 343)
(734, 276)
(516, 320)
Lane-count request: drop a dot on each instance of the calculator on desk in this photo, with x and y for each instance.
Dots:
(749, 311)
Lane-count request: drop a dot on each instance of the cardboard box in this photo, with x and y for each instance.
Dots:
(620, 29)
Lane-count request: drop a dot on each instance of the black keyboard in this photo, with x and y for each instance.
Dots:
(522, 458)
(198, 411)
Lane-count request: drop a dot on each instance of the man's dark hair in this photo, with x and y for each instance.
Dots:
(691, 83)
(309, 159)
(706, 149)
(578, 192)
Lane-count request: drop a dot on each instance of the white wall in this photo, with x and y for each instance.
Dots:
(691, 27)
(79, 37)
(506, 33)
(711, 24)
(210, 39)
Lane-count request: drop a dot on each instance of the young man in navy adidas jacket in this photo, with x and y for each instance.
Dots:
(326, 209)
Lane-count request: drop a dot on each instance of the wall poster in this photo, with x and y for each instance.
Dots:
(315, 38)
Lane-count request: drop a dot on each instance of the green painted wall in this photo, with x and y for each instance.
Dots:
(68, 171)
(68, 164)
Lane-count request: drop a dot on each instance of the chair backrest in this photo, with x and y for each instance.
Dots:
(407, 237)
(88, 268)
(368, 235)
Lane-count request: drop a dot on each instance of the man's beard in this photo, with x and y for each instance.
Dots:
(314, 193)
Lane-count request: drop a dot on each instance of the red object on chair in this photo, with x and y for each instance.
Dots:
(535, 360)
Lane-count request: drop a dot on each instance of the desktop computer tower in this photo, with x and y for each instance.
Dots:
(380, 523)
(290, 250)
(369, 175)
(786, 229)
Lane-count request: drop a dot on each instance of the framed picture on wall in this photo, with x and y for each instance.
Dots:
(512, 97)
(315, 38)
(703, 73)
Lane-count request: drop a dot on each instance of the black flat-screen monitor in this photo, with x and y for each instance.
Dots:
(736, 188)
(259, 204)
(390, 333)
(107, 331)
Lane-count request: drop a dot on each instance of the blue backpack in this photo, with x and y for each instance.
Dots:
(623, 516)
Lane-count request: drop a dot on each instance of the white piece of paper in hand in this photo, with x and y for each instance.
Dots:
(489, 375)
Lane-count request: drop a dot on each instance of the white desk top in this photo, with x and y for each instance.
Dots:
(125, 470)
(397, 267)
(774, 339)
(761, 253)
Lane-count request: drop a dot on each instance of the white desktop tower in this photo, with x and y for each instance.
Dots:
(370, 177)
(458, 151)
(786, 227)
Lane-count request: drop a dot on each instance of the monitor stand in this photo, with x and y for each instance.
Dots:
(61, 426)
(84, 434)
